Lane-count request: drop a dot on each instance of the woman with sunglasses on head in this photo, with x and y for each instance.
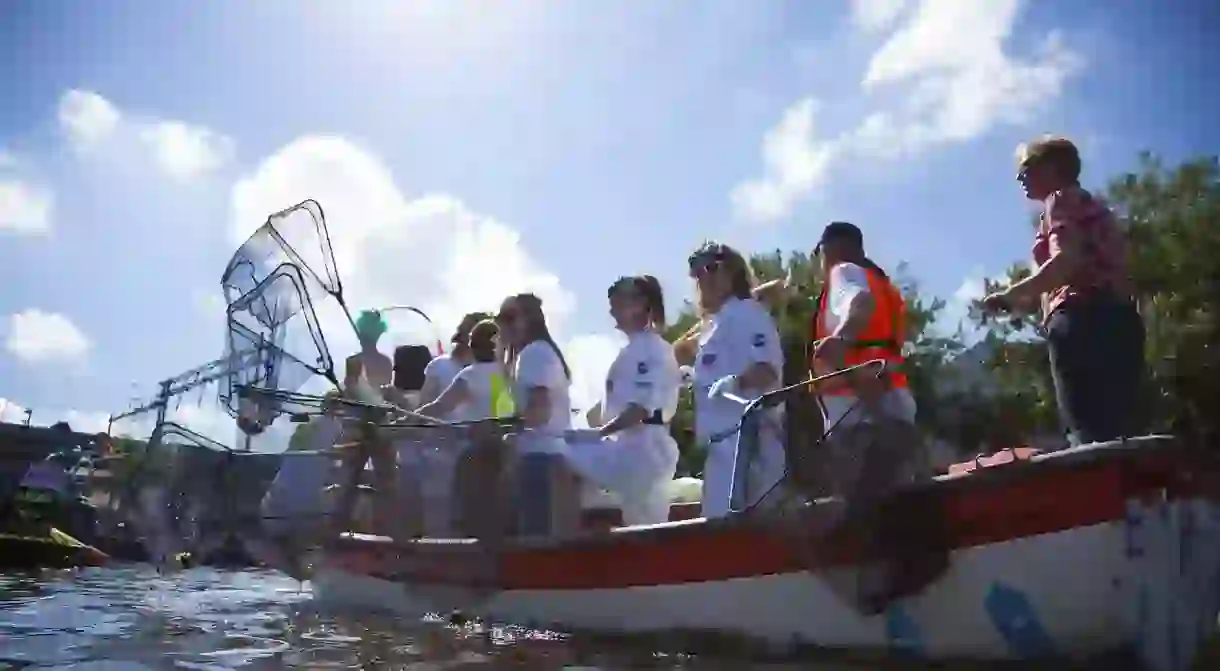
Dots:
(1093, 328)
(547, 496)
(739, 356)
(632, 454)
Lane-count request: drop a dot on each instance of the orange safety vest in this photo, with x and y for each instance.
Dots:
(881, 339)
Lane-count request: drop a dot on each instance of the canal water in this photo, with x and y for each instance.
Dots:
(120, 619)
(133, 619)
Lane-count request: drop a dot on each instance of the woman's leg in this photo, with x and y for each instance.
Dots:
(718, 478)
(549, 496)
(397, 504)
(482, 504)
(347, 486)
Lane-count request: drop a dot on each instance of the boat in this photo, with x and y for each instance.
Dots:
(1092, 550)
(53, 549)
(1087, 551)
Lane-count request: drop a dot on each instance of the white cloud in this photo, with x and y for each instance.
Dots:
(25, 209)
(876, 14)
(35, 336)
(948, 60)
(185, 151)
(590, 357)
(182, 150)
(795, 162)
(87, 118)
(434, 252)
(963, 81)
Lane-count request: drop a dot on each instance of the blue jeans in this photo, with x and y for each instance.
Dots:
(534, 493)
(1096, 349)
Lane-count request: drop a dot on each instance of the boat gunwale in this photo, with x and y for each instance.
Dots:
(1071, 459)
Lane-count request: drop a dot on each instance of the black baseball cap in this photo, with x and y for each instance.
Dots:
(842, 231)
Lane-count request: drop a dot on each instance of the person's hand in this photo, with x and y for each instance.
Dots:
(725, 385)
(581, 435)
(999, 301)
(832, 350)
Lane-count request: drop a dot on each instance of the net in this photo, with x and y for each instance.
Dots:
(850, 486)
(296, 236)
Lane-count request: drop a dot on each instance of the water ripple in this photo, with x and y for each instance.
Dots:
(133, 619)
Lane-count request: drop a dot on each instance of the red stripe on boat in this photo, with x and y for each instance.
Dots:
(980, 512)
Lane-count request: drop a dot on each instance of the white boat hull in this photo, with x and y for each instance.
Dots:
(1073, 593)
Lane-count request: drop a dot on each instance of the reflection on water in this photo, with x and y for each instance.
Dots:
(133, 619)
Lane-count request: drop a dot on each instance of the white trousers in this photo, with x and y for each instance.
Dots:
(637, 464)
(766, 469)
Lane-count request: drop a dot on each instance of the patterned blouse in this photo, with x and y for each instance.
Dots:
(1074, 216)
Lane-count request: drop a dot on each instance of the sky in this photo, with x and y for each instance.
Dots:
(463, 151)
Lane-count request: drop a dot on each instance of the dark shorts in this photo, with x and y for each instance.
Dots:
(1097, 361)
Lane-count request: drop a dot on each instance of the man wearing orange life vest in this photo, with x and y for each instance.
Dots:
(860, 317)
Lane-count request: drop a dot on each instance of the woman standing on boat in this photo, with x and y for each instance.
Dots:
(547, 495)
(479, 391)
(632, 454)
(1093, 329)
(368, 374)
(739, 355)
(442, 370)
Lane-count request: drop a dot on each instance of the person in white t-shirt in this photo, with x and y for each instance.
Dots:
(479, 391)
(632, 454)
(548, 499)
(443, 369)
(739, 358)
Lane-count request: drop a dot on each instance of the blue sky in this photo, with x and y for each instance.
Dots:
(461, 153)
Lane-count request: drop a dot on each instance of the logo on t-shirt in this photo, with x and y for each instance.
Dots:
(709, 359)
(760, 339)
(642, 368)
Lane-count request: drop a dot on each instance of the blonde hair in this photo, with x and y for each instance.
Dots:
(741, 275)
(1056, 149)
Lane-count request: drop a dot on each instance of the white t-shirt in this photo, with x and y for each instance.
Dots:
(539, 366)
(846, 281)
(478, 404)
(741, 334)
(644, 373)
(441, 371)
